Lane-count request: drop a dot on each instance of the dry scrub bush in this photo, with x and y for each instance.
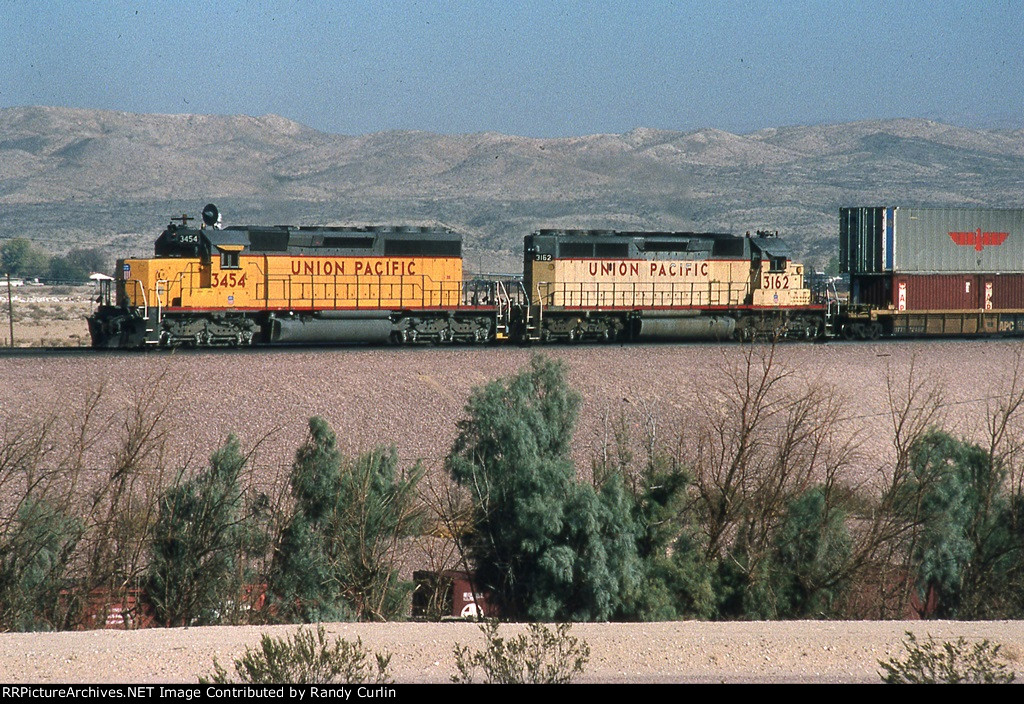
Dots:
(307, 659)
(448, 514)
(100, 467)
(886, 517)
(38, 534)
(755, 449)
(960, 662)
(539, 656)
(901, 539)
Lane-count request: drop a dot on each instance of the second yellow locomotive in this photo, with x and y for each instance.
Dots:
(609, 284)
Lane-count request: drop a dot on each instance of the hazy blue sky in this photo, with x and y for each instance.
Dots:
(539, 68)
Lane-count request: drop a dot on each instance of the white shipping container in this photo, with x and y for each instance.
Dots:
(932, 240)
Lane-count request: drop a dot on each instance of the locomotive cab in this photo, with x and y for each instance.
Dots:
(777, 281)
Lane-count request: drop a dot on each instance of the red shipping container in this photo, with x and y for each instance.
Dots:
(1008, 291)
(938, 292)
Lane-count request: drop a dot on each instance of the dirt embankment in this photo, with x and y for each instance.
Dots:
(795, 651)
(413, 398)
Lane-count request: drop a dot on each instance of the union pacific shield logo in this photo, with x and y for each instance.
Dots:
(979, 239)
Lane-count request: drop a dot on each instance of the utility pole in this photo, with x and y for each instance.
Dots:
(10, 308)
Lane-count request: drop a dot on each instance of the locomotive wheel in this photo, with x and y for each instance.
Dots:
(848, 332)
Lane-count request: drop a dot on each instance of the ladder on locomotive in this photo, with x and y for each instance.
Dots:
(534, 320)
(832, 306)
(512, 298)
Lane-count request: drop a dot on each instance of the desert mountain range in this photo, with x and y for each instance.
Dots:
(74, 177)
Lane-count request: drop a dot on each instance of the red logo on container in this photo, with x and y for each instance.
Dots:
(979, 239)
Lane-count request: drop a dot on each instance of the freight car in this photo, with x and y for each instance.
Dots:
(239, 286)
(932, 271)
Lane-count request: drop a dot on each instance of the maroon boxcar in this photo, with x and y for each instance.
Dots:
(450, 594)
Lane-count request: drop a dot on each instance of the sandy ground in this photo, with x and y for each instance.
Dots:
(46, 316)
(413, 398)
(799, 651)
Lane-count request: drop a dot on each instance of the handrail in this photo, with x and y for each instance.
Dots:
(142, 290)
(363, 291)
(612, 294)
(159, 301)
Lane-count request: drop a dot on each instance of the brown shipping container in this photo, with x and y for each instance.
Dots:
(903, 292)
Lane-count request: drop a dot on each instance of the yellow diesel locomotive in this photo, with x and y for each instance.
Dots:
(240, 286)
(609, 284)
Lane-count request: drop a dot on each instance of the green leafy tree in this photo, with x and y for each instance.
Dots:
(19, 257)
(549, 546)
(201, 540)
(812, 552)
(338, 553)
(77, 264)
(679, 584)
(966, 548)
(35, 556)
(678, 580)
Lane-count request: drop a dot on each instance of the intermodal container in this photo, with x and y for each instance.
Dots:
(878, 240)
(940, 292)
